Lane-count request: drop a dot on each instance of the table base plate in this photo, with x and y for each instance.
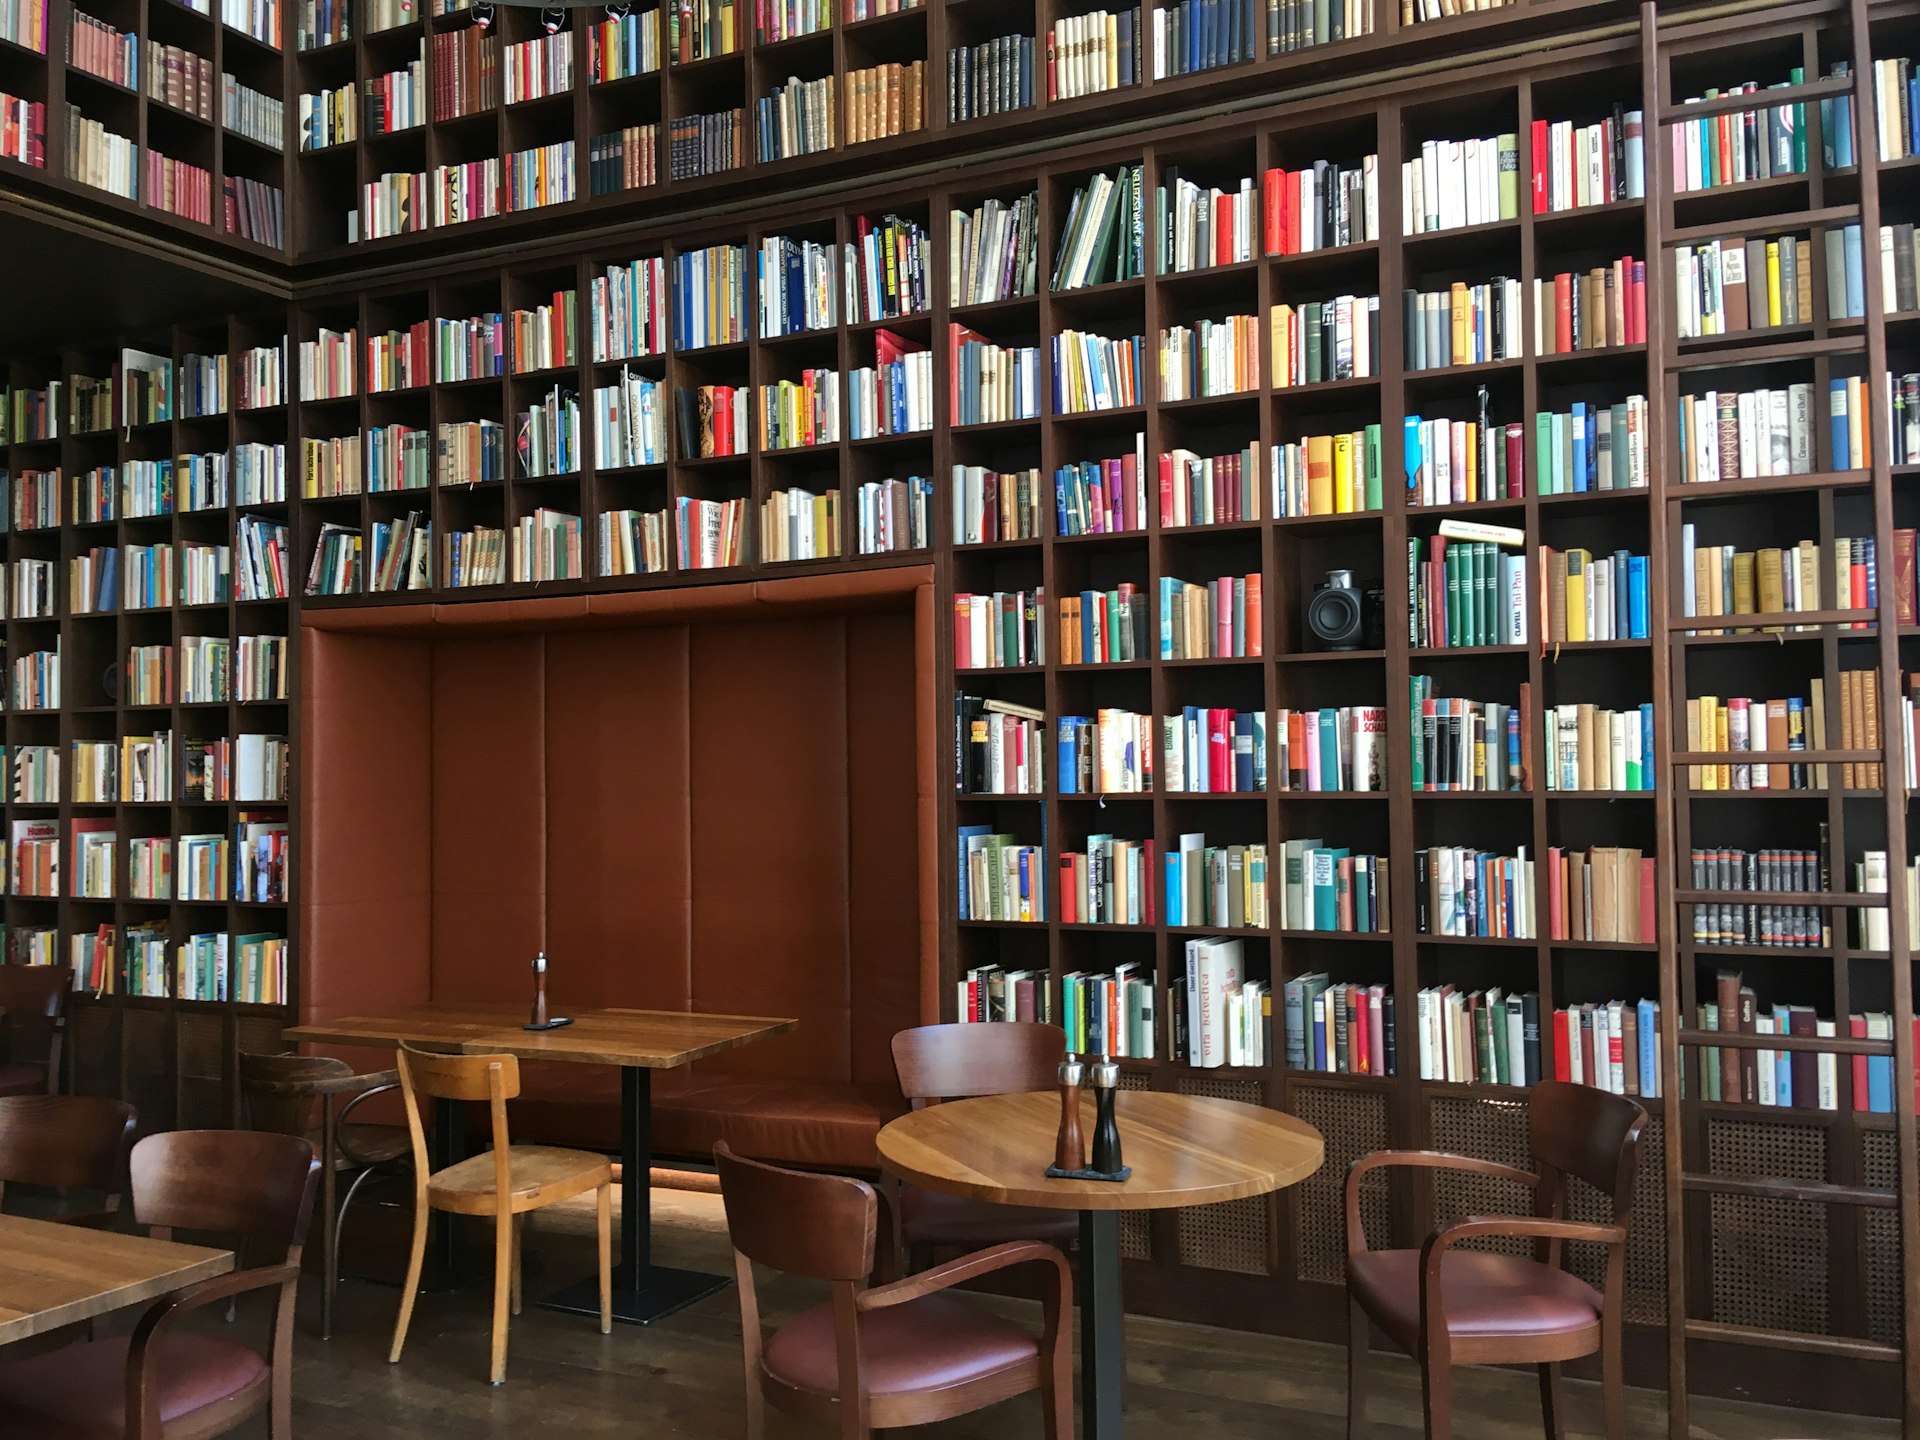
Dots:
(660, 1292)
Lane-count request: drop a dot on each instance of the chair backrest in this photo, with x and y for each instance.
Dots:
(228, 1182)
(820, 1226)
(76, 1142)
(492, 1078)
(33, 999)
(954, 1062)
(281, 1090)
(1591, 1133)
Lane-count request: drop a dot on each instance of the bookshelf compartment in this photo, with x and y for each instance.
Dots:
(1770, 1268)
(1236, 1236)
(1354, 1123)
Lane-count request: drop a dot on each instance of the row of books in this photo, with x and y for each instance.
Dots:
(1737, 723)
(1724, 287)
(1797, 1078)
(176, 76)
(1735, 146)
(1718, 580)
(1475, 745)
(1094, 52)
(1587, 598)
(624, 159)
(1463, 593)
(994, 77)
(1100, 497)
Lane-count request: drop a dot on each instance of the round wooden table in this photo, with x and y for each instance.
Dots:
(1184, 1150)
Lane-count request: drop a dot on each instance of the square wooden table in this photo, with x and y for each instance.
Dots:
(639, 1042)
(54, 1275)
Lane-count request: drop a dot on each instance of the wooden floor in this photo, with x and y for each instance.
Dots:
(682, 1377)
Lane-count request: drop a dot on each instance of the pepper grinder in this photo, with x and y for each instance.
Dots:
(540, 1019)
(1070, 1149)
(1105, 1079)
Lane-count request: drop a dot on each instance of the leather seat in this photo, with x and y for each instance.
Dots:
(931, 1217)
(933, 1343)
(819, 1124)
(1486, 1296)
(23, 1080)
(79, 1392)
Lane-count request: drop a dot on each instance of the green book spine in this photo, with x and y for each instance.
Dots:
(1453, 596)
(1502, 1059)
(1545, 457)
(1376, 497)
(1509, 177)
(1310, 328)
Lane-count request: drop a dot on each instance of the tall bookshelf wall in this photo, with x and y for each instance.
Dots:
(1701, 1259)
(173, 1056)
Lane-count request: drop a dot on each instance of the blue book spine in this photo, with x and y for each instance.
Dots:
(1590, 475)
(1578, 424)
(1622, 599)
(1637, 619)
(967, 832)
(1873, 575)
(1880, 1084)
(1837, 423)
(1243, 743)
(1649, 1052)
(1060, 500)
(1176, 912)
(1069, 754)
(1320, 1035)
(1167, 584)
(1855, 271)
(1647, 768)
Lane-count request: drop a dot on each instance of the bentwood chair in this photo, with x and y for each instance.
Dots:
(953, 1062)
(505, 1183)
(1447, 1306)
(71, 1143)
(282, 1092)
(33, 1020)
(170, 1380)
(875, 1358)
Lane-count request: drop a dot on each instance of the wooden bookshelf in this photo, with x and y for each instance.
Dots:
(173, 1057)
(1266, 1264)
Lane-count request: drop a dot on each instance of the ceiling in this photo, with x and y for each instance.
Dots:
(71, 281)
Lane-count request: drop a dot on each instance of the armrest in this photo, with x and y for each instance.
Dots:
(142, 1392)
(967, 1267)
(1531, 1227)
(1419, 1160)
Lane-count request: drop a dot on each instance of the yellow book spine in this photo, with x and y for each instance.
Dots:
(1343, 474)
(1773, 282)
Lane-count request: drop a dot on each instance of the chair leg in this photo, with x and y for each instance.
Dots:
(416, 1262)
(603, 1219)
(1613, 1385)
(502, 1289)
(519, 1225)
(1359, 1356)
(1436, 1394)
(1551, 1409)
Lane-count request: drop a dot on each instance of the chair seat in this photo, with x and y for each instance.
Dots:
(1486, 1296)
(79, 1392)
(23, 1080)
(373, 1144)
(924, 1345)
(928, 1217)
(537, 1175)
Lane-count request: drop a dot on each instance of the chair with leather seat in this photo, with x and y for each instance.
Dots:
(1446, 1305)
(69, 1143)
(282, 1092)
(169, 1380)
(955, 1062)
(875, 1358)
(33, 1021)
(506, 1183)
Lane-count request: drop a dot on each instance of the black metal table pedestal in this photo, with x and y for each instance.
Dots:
(642, 1291)
(1103, 1361)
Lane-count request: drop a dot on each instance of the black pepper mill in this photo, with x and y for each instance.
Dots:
(1105, 1079)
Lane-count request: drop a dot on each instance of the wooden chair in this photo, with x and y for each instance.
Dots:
(69, 1142)
(1446, 1306)
(33, 1021)
(898, 1354)
(505, 1184)
(174, 1381)
(953, 1062)
(282, 1092)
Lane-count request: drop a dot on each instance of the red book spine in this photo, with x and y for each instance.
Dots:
(1857, 1028)
(1166, 490)
(1273, 197)
(1291, 207)
(1516, 461)
(1562, 314)
(1562, 1049)
(1542, 197)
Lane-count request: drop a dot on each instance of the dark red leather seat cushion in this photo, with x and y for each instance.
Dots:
(929, 1217)
(22, 1080)
(820, 1124)
(1485, 1296)
(79, 1392)
(928, 1344)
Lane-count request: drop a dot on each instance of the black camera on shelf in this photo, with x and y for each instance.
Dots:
(1340, 617)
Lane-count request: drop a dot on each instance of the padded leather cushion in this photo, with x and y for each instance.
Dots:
(928, 1344)
(928, 1217)
(22, 1080)
(1485, 1296)
(829, 1125)
(79, 1392)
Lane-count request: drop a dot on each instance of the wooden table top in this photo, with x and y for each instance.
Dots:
(53, 1275)
(1184, 1150)
(648, 1039)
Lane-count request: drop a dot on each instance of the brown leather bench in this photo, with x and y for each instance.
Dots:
(722, 798)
